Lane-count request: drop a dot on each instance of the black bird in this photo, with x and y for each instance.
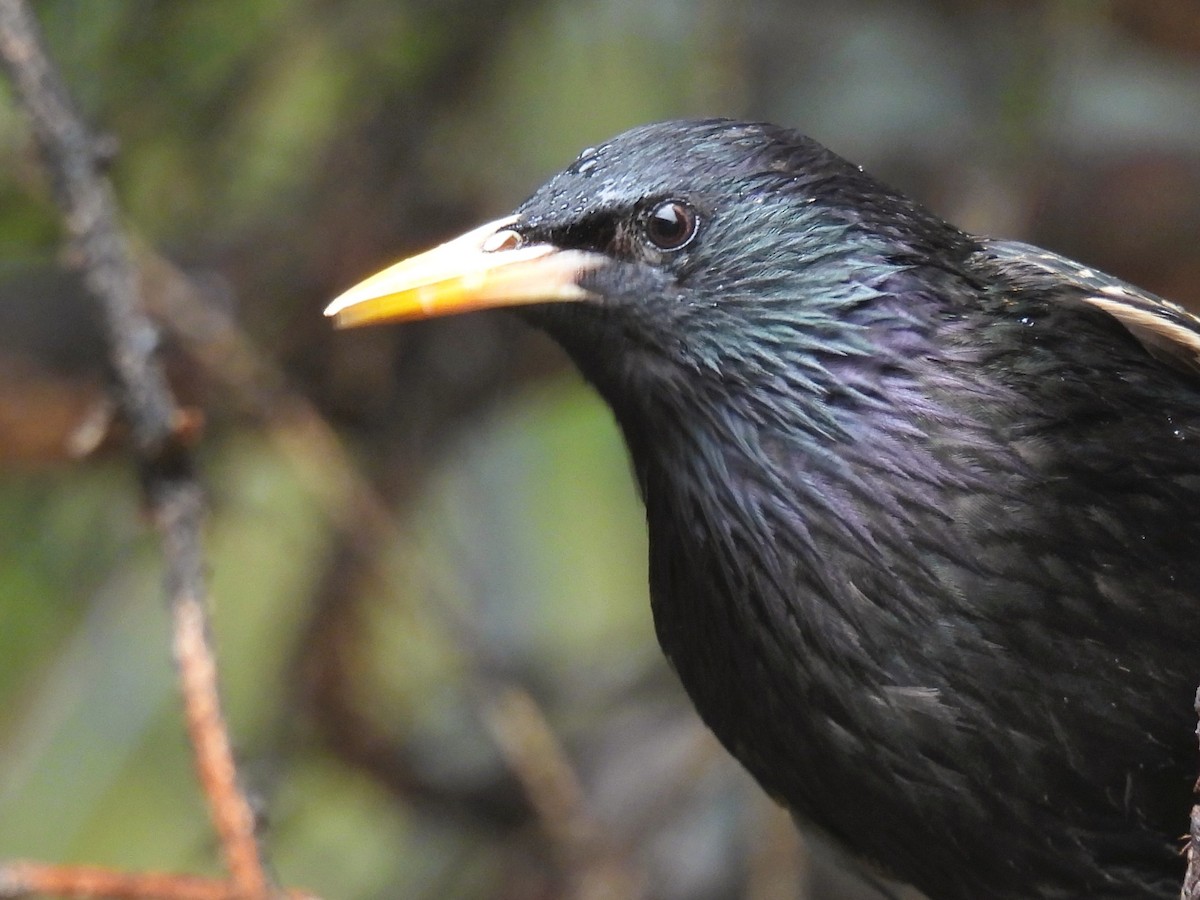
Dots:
(923, 508)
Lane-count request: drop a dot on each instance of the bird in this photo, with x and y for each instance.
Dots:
(923, 507)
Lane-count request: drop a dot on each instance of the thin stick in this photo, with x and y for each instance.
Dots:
(21, 879)
(74, 159)
(232, 816)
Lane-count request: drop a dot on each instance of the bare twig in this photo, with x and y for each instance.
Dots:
(99, 246)
(231, 813)
(23, 879)
(89, 208)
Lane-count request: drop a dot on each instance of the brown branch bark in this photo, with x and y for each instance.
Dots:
(74, 157)
(99, 246)
(22, 879)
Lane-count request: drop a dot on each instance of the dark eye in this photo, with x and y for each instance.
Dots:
(671, 225)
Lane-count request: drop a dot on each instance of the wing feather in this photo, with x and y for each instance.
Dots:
(1168, 332)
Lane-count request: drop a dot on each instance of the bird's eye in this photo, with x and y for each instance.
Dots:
(671, 225)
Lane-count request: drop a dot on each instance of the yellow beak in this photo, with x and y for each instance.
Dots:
(488, 267)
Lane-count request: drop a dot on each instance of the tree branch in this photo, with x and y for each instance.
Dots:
(75, 158)
(23, 879)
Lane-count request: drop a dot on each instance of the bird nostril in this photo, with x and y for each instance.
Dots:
(505, 239)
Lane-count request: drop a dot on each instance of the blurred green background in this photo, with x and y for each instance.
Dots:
(426, 553)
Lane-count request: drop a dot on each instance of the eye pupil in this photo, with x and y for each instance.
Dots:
(671, 225)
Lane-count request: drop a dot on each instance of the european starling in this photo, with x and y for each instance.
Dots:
(923, 507)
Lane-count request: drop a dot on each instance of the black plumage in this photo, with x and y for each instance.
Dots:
(922, 507)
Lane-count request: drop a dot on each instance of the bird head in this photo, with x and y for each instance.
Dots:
(681, 252)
